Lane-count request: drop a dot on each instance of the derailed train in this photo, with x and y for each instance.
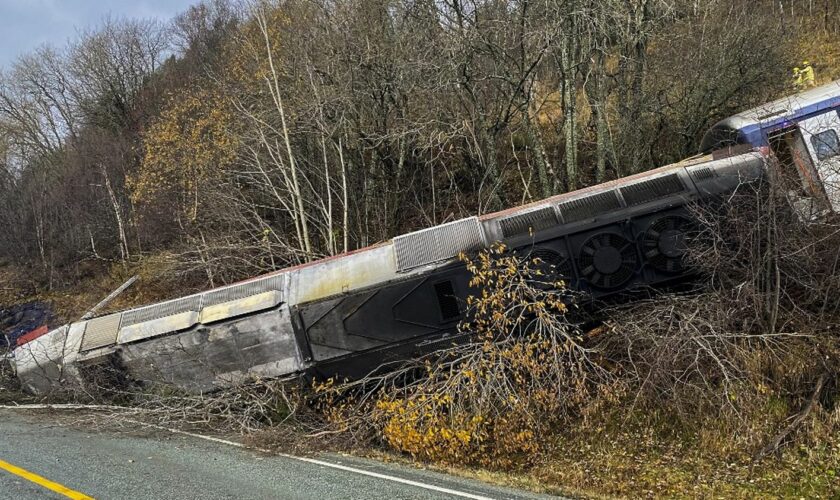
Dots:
(350, 313)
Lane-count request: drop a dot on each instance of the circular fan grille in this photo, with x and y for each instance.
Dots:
(607, 260)
(554, 265)
(665, 242)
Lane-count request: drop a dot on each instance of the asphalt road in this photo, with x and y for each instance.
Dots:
(161, 465)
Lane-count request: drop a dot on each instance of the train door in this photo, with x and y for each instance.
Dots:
(793, 163)
(821, 135)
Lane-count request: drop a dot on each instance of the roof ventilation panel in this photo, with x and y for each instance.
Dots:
(101, 332)
(242, 298)
(528, 222)
(437, 243)
(589, 207)
(158, 319)
(652, 189)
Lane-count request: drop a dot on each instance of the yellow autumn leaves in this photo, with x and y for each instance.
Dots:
(190, 145)
(492, 400)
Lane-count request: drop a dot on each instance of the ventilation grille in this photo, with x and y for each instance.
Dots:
(702, 174)
(549, 266)
(653, 189)
(607, 260)
(242, 290)
(437, 243)
(666, 241)
(589, 207)
(771, 113)
(157, 311)
(447, 301)
(536, 220)
(101, 332)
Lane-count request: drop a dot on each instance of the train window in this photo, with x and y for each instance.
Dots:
(826, 144)
(447, 301)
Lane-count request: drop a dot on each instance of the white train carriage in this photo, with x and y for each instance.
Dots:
(351, 313)
(348, 314)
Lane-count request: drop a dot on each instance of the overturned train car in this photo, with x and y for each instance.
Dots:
(349, 314)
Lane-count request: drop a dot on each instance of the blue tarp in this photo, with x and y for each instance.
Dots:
(20, 319)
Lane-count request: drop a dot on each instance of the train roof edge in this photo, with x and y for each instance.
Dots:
(747, 126)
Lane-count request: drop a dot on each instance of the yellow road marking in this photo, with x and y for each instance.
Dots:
(40, 481)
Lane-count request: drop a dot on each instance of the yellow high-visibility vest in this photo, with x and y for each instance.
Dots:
(797, 78)
(807, 76)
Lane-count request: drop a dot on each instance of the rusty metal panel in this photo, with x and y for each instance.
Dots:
(101, 332)
(438, 243)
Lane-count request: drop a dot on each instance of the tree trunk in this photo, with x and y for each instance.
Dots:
(569, 125)
(124, 253)
(605, 152)
(346, 207)
(544, 170)
(274, 88)
(491, 165)
(639, 58)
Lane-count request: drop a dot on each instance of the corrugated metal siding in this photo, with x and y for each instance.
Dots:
(157, 311)
(535, 220)
(437, 243)
(101, 332)
(590, 206)
(243, 290)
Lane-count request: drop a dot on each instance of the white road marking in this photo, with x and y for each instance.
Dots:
(386, 477)
(418, 484)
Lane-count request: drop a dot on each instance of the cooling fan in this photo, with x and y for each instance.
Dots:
(665, 242)
(554, 265)
(607, 260)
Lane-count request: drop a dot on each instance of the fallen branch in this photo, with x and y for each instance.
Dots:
(777, 441)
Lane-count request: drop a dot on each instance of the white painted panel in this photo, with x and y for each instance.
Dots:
(342, 274)
(154, 328)
(234, 308)
(39, 364)
(822, 138)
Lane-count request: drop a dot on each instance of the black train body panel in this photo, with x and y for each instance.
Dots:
(387, 314)
(606, 245)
